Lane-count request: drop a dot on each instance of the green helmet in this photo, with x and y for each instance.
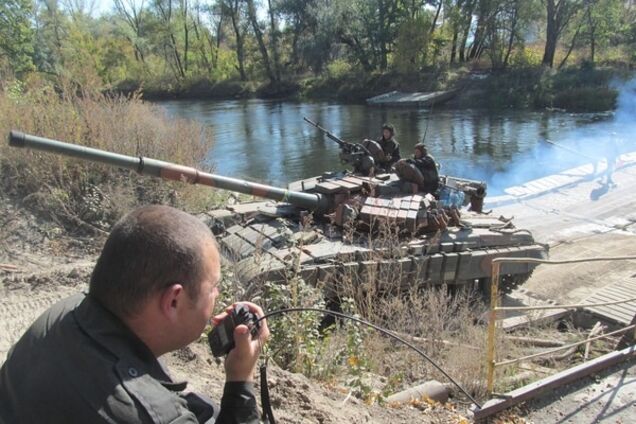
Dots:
(421, 147)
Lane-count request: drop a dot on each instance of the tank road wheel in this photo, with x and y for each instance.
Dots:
(510, 282)
(507, 283)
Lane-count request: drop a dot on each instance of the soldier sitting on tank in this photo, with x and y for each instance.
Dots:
(420, 170)
(388, 152)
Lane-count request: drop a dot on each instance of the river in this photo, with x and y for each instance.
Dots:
(268, 141)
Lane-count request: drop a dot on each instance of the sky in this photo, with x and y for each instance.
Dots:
(102, 7)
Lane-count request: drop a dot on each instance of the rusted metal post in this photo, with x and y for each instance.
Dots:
(492, 324)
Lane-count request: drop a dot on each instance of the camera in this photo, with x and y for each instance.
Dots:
(221, 338)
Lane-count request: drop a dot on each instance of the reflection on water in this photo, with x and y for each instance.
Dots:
(269, 141)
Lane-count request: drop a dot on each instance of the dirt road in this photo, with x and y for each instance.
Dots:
(609, 397)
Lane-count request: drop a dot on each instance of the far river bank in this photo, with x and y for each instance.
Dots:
(577, 89)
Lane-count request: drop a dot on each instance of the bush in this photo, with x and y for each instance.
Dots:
(588, 99)
(339, 68)
(527, 57)
(85, 196)
(279, 90)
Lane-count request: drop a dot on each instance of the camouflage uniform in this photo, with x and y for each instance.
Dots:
(391, 149)
(78, 363)
(428, 168)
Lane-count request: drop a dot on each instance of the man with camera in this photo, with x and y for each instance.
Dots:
(93, 358)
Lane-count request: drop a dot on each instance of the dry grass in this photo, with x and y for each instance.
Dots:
(84, 196)
(442, 322)
(381, 288)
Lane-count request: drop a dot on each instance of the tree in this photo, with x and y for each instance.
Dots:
(169, 45)
(273, 36)
(202, 38)
(79, 8)
(411, 44)
(300, 17)
(601, 22)
(486, 11)
(460, 16)
(50, 31)
(258, 32)
(559, 14)
(16, 34)
(370, 29)
(505, 29)
(132, 12)
(234, 10)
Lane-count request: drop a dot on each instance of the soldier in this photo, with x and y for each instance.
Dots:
(390, 149)
(93, 357)
(427, 166)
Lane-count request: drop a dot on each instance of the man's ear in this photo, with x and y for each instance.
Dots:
(170, 300)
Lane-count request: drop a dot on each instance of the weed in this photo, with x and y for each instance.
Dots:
(83, 196)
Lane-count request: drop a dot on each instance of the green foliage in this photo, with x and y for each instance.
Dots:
(352, 49)
(339, 69)
(296, 340)
(357, 361)
(586, 99)
(584, 76)
(17, 35)
(601, 22)
(411, 44)
(526, 57)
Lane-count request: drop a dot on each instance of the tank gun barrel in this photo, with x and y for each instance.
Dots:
(169, 171)
(328, 133)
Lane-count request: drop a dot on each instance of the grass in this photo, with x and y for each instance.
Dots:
(83, 196)
(442, 322)
(371, 365)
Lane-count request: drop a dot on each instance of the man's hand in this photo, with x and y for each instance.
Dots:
(240, 363)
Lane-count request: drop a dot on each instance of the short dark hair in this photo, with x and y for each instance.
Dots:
(147, 250)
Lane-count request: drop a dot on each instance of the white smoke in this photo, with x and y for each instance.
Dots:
(587, 144)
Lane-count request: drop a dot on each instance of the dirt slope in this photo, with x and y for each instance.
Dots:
(40, 265)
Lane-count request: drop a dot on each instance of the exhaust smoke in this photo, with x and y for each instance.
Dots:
(590, 144)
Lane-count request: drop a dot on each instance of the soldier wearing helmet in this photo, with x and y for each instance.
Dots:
(389, 152)
(425, 163)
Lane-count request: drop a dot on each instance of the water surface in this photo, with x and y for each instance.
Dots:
(268, 141)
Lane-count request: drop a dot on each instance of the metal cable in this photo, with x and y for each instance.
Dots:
(574, 306)
(547, 352)
(377, 328)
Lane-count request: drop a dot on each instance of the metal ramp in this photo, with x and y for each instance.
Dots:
(622, 313)
(417, 99)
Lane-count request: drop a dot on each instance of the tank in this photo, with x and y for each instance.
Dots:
(348, 223)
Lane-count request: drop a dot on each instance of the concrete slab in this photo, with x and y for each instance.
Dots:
(551, 183)
(418, 99)
(622, 313)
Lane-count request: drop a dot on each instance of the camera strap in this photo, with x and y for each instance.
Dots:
(268, 413)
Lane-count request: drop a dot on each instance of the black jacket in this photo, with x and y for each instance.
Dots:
(391, 149)
(78, 363)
